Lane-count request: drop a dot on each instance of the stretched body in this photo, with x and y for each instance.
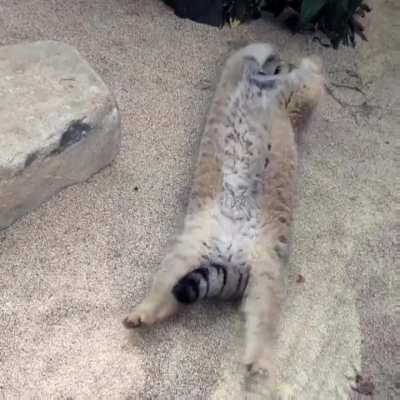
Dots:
(235, 238)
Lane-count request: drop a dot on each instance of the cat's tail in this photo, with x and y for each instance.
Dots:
(211, 280)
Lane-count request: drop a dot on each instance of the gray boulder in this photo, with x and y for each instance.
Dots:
(59, 124)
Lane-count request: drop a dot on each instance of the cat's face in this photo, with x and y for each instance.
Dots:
(302, 81)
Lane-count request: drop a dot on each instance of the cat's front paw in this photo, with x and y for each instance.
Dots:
(313, 64)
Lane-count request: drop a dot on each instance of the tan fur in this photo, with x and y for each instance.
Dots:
(287, 108)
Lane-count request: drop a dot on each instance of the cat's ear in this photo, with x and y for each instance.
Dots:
(250, 67)
(273, 65)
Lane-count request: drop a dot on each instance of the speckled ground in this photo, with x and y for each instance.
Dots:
(71, 270)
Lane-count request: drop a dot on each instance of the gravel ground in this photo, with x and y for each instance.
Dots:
(71, 269)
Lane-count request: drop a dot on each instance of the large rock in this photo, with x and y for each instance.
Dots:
(59, 124)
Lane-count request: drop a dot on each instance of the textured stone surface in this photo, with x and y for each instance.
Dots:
(59, 124)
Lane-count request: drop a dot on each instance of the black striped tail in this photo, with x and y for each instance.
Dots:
(211, 280)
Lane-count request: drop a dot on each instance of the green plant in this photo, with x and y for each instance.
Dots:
(338, 19)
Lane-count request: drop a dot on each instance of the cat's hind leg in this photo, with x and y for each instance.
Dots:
(186, 255)
(261, 307)
(157, 306)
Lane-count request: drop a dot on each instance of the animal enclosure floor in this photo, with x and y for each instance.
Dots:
(71, 270)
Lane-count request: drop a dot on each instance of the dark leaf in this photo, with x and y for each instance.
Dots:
(292, 22)
(362, 36)
(310, 9)
(364, 386)
(275, 7)
(365, 7)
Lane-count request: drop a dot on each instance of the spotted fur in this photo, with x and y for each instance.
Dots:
(235, 239)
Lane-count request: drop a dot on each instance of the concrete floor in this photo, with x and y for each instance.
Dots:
(71, 270)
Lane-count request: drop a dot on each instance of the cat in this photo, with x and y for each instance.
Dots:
(235, 240)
